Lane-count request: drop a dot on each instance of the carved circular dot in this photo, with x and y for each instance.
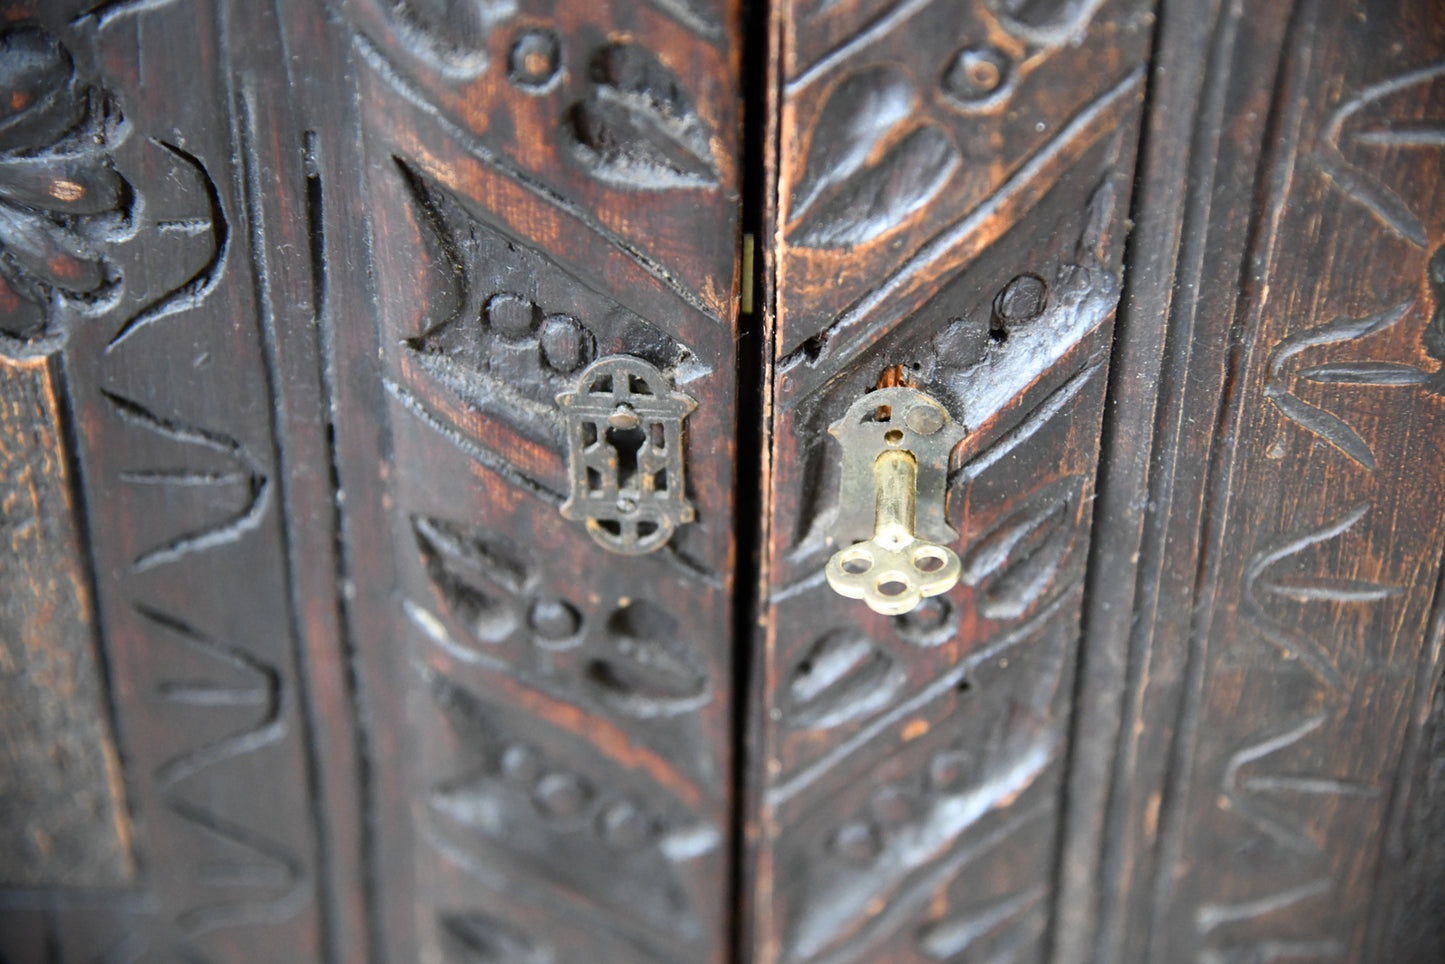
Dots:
(857, 840)
(893, 436)
(930, 623)
(511, 316)
(554, 621)
(535, 61)
(1022, 300)
(978, 77)
(519, 763)
(566, 344)
(623, 825)
(562, 794)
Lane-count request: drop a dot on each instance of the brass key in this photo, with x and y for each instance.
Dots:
(895, 570)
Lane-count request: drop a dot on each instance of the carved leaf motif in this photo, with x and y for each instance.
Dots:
(842, 199)
(637, 127)
(645, 670)
(1015, 562)
(881, 197)
(1310, 589)
(477, 938)
(1045, 23)
(1365, 373)
(1353, 127)
(842, 677)
(859, 114)
(513, 801)
(233, 486)
(1325, 424)
(479, 580)
(452, 34)
(947, 939)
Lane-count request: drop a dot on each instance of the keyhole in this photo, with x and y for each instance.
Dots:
(627, 443)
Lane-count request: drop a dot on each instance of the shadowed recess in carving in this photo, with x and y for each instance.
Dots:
(990, 363)
(1212, 916)
(61, 199)
(482, 152)
(842, 676)
(947, 939)
(914, 841)
(1045, 23)
(866, 172)
(1090, 286)
(516, 327)
(1351, 177)
(480, 580)
(1313, 590)
(242, 487)
(251, 879)
(513, 803)
(1328, 426)
(1039, 416)
(473, 937)
(1247, 795)
(1015, 562)
(109, 10)
(450, 35)
(637, 128)
(932, 622)
(643, 668)
(699, 16)
(193, 291)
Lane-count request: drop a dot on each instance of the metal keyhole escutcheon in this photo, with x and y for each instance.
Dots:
(625, 454)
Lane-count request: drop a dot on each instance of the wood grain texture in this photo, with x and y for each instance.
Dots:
(547, 725)
(62, 805)
(1286, 640)
(174, 384)
(950, 194)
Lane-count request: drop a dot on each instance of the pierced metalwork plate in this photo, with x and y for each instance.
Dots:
(625, 454)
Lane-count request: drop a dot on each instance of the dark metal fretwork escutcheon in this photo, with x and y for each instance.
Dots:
(624, 436)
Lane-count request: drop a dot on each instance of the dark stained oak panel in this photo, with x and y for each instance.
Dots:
(545, 725)
(951, 186)
(1284, 653)
(62, 805)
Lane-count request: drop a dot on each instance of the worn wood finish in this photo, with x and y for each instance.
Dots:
(951, 187)
(547, 725)
(146, 279)
(299, 660)
(62, 806)
(375, 698)
(1270, 771)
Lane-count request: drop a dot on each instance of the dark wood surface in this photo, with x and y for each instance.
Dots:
(299, 660)
(909, 769)
(313, 273)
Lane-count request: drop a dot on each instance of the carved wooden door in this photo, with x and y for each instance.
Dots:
(354, 351)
